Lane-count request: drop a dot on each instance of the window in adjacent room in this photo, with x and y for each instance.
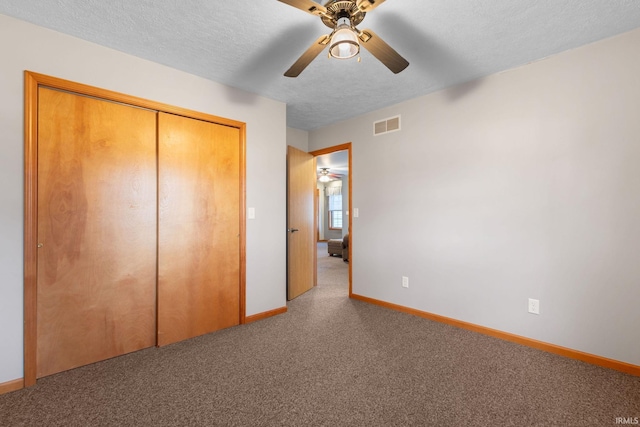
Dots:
(335, 212)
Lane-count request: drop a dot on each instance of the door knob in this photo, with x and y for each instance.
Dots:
(293, 230)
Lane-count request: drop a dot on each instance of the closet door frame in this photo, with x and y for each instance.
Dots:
(32, 81)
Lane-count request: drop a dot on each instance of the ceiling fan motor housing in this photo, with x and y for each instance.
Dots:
(337, 9)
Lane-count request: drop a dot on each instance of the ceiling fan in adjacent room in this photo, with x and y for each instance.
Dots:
(325, 176)
(345, 40)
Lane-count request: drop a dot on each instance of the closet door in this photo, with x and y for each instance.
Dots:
(198, 228)
(96, 279)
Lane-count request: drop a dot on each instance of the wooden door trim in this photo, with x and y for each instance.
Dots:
(315, 227)
(329, 150)
(243, 223)
(30, 226)
(31, 84)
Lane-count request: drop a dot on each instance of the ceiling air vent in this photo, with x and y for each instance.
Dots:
(387, 125)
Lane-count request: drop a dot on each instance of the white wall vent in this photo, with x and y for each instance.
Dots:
(391, 124)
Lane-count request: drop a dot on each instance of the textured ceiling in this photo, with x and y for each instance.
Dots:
(249, 44)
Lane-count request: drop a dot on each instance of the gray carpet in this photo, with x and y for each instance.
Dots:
(331, 361)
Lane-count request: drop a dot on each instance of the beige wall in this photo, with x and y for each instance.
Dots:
(525, 184)
(298, 139)
(28, 47)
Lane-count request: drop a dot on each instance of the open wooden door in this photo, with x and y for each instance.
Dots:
(301, 229)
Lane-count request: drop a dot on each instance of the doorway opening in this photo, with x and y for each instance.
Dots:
(334, 236)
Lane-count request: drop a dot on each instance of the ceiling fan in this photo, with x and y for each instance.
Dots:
(345, 40)
(325, 176)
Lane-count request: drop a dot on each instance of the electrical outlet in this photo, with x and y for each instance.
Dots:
(534, 306)
(405, 282)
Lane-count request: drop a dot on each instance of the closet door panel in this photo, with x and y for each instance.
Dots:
(96, 280)
(198, 229)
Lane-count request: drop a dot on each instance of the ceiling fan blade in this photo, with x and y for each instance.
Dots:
(381, 50)
(307, 6)
(368, 5)
(309, 55)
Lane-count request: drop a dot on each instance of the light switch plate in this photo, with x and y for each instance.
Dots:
(251, 213)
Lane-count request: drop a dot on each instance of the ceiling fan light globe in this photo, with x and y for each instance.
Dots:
(324, 178)
(344, 43)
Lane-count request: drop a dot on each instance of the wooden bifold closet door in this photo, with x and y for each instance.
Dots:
(138, 228)
(199, 227)
(96, 230)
